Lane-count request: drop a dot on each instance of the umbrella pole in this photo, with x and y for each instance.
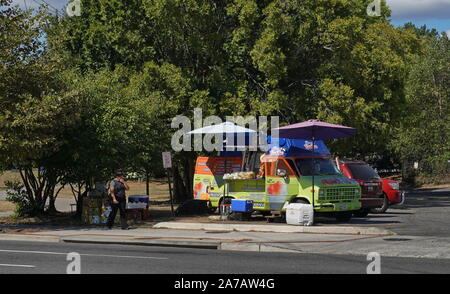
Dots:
(314, 171)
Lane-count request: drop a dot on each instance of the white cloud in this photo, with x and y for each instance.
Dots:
(448, 32)
(419, 9)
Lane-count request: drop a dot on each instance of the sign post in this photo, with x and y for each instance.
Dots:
(167, 164)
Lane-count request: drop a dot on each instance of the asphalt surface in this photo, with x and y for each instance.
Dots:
(425, 212)
(51, 258)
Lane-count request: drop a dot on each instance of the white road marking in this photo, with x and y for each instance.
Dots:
(17, 265)
(123, 256)
(95, 255)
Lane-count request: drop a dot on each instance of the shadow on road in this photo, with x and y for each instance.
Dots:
(393, 214)
(369, 220)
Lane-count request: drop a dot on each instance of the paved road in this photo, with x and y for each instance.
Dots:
(426, 212)
(2, 194)
(34, 257)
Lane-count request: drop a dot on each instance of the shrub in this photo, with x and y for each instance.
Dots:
(18, 195)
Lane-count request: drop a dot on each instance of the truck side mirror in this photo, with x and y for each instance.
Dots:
(281, 173)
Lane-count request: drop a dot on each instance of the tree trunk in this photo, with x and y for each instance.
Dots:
(51, 206)
(408, 173)
(80, 201)
(147, 182)
(188, 176)
(179, 190)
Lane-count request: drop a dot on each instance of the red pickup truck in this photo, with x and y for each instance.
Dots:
(391, 195)
(372, 196)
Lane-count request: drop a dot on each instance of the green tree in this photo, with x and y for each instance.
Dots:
(33, 116)
(423, 134)
(298, 59)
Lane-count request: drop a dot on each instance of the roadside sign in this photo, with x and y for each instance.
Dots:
(167, 163)
(167, 159)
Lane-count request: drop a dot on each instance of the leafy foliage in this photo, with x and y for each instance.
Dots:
(84, 96)
(25, 207)
(423, 134)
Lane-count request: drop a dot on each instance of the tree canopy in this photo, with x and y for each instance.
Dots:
(82, 96)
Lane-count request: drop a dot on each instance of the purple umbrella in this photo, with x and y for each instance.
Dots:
(314, 130)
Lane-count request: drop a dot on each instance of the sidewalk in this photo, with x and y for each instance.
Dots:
(257, 238)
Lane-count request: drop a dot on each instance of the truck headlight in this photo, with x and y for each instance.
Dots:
(395, 186)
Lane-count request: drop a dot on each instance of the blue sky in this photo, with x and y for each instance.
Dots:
(433, 13)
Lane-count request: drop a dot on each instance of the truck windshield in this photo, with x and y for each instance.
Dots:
(316, 167)
(363, 172)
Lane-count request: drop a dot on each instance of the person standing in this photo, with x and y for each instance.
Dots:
(117, 188)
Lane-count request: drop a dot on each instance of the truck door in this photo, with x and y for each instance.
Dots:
(281, 183)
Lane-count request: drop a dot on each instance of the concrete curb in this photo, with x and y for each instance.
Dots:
(118, 241)
(161, 242)
(274, 228)
(255, 247)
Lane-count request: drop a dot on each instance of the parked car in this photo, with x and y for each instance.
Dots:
(369, 181)
(391, 195)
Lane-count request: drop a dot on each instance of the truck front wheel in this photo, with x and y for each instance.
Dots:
(344, 216)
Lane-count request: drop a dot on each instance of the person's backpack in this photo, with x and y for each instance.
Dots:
(109, 188)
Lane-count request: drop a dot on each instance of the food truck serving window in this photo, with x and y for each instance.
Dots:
(316, 166)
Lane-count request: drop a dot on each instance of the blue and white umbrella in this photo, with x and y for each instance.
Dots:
(223, 128)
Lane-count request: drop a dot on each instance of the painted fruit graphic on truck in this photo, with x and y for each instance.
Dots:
(200, 191)
(197, 188)
(278, 188)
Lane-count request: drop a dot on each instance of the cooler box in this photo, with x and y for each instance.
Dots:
(137, 201)
(241, 205)
(299, 214)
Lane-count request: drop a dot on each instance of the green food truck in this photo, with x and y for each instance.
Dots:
(283, 175)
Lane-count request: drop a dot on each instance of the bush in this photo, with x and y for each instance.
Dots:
(17, 194)
(424, 179)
